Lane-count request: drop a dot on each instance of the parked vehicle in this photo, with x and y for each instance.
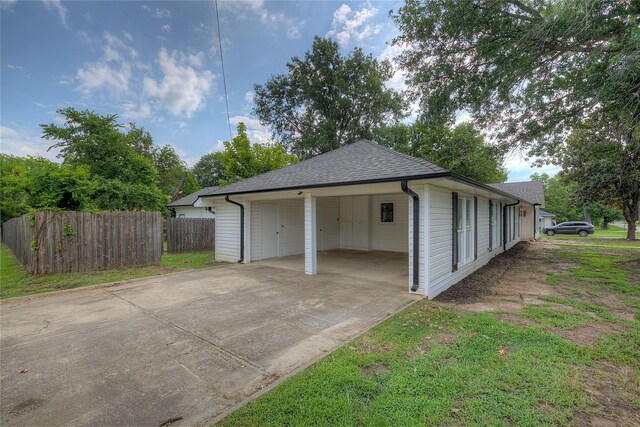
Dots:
(582, 229)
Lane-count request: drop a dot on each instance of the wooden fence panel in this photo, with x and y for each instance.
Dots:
(65, 242)
(190, 235)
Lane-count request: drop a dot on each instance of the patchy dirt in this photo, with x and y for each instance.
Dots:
(612, 390)
(518, 320)
(375, 370)
(587, 334)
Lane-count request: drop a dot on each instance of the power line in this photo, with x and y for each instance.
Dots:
(224, 78)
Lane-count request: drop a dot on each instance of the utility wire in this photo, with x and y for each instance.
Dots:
(224, 78)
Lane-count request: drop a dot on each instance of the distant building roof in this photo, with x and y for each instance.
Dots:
(543, 213)
(191, 198)
(529, 191)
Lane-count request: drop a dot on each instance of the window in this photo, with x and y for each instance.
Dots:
(386, 212)
(180, 215)
(495, 225)
(465, 230)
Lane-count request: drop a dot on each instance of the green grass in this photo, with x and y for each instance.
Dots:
(15, 281)
(614, 232)
(432, 366)
(556, 318)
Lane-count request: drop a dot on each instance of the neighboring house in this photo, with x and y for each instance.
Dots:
(364, 197)
(545, 219)
(184, 208)
(531, 192)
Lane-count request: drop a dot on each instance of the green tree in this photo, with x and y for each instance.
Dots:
(532, 69)
(176, 177)
(461, 149)
(558, 198)
(98, 142)
(209, 170)
(115, 155)
(327, 100)
(242, 160)
(13, 186)
(607, 172)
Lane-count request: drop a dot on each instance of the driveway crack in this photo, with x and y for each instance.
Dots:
(218, 347)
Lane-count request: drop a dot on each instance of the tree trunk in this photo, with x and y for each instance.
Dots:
(605, 224)
(587, 213)
(176, 194)
(630, 215)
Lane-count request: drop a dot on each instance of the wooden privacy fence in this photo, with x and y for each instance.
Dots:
(64, 242)
(190, 235)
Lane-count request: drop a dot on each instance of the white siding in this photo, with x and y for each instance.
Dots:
(330, 222)
(441, 276)
(526, 222)
(191, 212)
(227, 231)
(441, 240)
(291, 227)
(390, 236)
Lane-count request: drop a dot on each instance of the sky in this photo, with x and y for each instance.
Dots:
(158, 64)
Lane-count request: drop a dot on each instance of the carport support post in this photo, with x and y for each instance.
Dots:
(310, 238)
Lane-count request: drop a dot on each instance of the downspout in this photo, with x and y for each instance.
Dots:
(226, 198)
(416, 234)
(504, 224)
(535, 221)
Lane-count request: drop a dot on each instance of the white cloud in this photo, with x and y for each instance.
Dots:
(182, 90)
(56, 6)
(14, 67)
(112, 71)
(84, 37)
(197, 59)
(249, 96)
(127, 35)
(348, 25)
(241, 9)
(23, 143)
(256, 132)
(157, 13)
(133, 111)
(166, 28)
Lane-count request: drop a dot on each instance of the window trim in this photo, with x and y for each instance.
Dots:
(393, 213)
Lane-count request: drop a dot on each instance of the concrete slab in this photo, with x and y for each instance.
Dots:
(188, 345)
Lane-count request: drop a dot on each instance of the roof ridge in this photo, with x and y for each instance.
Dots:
(405, 156)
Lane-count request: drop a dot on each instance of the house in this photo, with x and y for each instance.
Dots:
(183, 207)
(533, 193)
(367, 202)
(545, 219)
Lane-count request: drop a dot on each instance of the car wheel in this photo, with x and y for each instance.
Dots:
(583, 233)
(550, 232)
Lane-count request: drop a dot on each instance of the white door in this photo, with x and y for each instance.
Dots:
(354, 222)
(360, 222)
(270, 230)
(346, 222)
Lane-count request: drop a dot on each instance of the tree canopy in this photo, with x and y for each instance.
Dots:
(242, 160)
(531, 69)
(327, 100)
(208, 171)
(461, 148)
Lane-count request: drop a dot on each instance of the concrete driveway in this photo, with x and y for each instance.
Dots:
(190, 345)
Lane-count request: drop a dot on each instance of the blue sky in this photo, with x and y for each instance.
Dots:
(158, 63)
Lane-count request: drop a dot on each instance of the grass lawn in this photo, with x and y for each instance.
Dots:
(613, 232)
(438, 364)
(15, 281)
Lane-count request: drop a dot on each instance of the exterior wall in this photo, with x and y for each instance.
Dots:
(390, 236)
(329, 223)
(441, 246)
(527, 222)
(191, 212)
(227, 246)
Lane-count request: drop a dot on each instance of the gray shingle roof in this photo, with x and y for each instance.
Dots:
(543, 213)
(529, 191)
(358, 162)
(191, 198)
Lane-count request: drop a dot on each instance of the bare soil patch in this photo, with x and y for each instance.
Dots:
(613, 390)
(588, 334)
(374, 371)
